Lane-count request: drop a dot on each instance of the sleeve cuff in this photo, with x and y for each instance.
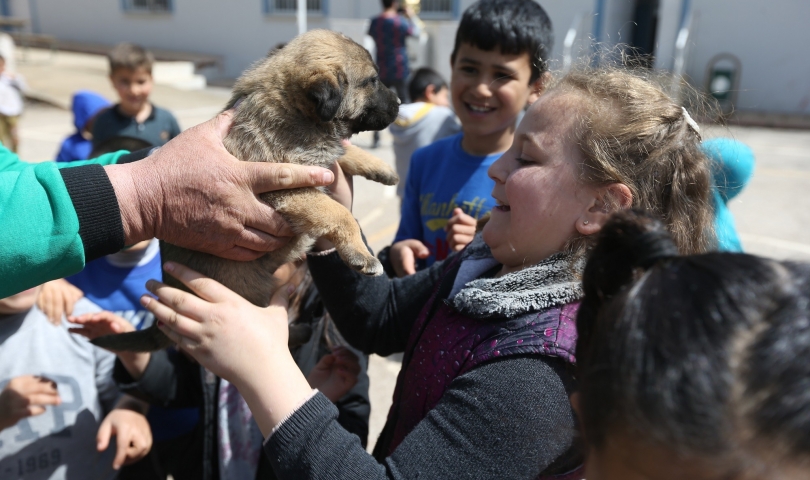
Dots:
(96, 206)
(281, 423)
(317, 409)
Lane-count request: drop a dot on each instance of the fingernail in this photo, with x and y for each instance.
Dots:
(290, 289)
(169, 266)
(328, 177)
(145, 300)
(159, 324)
(150, 284)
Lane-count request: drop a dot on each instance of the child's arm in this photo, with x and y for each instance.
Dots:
(127, 422)
(26, 396)
(98, 324)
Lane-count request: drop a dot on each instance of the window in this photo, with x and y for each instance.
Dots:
(291, 6)
(438, 8)
(148, 6)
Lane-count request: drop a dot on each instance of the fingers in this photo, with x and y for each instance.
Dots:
(408, 262)
(204, 287)
(419, 249)
(268, 177)
(103, 435)
(122, 448)
(173, 324)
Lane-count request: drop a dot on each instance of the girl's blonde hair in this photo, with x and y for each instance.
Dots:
(632, 132)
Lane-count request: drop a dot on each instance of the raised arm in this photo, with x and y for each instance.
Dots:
(374, 314)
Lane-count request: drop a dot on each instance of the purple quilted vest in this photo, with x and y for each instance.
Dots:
(448, 344)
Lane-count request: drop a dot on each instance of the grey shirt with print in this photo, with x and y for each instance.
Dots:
(60, 443)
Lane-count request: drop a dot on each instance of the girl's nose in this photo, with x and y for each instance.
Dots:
(499, 170)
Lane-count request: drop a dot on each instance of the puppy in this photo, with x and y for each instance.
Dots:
(295, 106)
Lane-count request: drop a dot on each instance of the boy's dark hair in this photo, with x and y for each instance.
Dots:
(703, 354)
(387, 3)
(421, 79)
(514, 26)
(131, 57)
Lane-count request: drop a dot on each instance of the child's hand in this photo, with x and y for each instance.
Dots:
(57, 298)
(133, 437)
(26, 396)
(98, 324)
(460, 230)
(403, 255)
(222, 331)
(335, 374)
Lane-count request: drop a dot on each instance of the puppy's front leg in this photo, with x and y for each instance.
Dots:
(357, 161)
(312, 212)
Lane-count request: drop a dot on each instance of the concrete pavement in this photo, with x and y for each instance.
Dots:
(772, 214)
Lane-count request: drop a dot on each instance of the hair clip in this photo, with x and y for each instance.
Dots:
(689, 121)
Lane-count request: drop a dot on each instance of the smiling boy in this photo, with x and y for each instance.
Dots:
(499, 67)
(134, 115)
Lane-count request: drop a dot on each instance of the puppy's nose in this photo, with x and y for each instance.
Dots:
(399, 102)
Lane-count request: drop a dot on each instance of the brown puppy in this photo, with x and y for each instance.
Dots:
(296, 106)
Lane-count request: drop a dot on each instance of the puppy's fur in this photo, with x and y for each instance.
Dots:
(295, 107)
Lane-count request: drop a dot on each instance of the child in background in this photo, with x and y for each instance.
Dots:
(691, 367)
(732, 167)
(488, 334)
(499, 66)
(56, 389)
(11, 106)
(422, 122)
(134, 116)
(85, 106)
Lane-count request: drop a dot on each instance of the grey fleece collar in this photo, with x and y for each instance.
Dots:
(554, 281)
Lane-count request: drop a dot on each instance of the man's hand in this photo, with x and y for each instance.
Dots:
(26, 396)
(335, 374)
(460, 230)
(94, 325)
(57, 298)
(193, 193)
(132, 434)
(403, 255)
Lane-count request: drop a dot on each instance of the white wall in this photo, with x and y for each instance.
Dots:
(771, 40)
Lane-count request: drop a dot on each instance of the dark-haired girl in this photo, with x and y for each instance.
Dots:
(692, 367)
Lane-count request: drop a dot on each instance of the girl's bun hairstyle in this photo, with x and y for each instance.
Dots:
(703, 354)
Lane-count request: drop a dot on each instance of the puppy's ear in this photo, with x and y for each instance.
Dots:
(326, 93)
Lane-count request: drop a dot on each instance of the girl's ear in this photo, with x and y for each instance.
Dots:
(608, 199)
(538, 87)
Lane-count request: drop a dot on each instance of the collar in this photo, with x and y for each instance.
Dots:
(553, 282)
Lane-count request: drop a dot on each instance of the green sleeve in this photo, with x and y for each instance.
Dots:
(10, 162)
(40, 238)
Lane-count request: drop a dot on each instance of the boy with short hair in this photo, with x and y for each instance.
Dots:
(59, 405)
(134, 116)
(499, 64)
(422, 122)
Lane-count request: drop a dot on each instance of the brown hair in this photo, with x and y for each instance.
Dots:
(632, 132)
(131, 57)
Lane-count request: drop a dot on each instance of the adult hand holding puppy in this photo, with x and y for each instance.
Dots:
(193, 193)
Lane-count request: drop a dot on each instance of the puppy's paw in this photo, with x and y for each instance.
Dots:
(365, 264)
(386, 177)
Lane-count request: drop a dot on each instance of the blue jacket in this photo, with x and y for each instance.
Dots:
(732, 165)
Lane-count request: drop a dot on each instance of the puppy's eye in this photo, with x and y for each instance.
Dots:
(370, 82)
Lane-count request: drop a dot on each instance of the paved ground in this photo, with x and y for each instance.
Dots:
(773, 213)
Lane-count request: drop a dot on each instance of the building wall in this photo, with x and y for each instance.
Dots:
(770, 39)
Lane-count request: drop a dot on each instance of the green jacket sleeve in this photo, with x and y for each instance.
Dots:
(51, 219)
(11, 162)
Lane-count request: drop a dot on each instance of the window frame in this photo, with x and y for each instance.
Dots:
(128, 7)
(268, 7)
(452, 14)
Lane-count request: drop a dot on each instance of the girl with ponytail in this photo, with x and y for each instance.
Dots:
(691, 366)
(488, 334)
